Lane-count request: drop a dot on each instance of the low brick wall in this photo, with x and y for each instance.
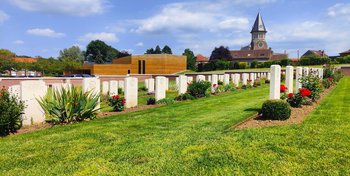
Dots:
(345, 71)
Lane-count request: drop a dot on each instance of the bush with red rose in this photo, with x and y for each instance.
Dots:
(117, 102)
(300, 98)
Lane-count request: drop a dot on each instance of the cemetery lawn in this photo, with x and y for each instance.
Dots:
(190, 138)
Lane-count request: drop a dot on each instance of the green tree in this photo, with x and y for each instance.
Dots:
(191, 59)
(6, 65)
(254, 64)
(70, 64)
(150, 51)
(157, 50)
(221, 53)
(99, 52)
(73, 52)
(166, 50)
(6, 54)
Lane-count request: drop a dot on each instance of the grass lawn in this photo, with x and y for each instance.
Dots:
(190, 138)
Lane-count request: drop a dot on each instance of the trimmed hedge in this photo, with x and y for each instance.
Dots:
(276, 110)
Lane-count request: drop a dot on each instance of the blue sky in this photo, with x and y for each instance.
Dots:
(43, 28)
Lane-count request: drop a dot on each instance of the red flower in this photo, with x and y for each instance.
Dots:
(124, 101)
(330, 79)
(290, 95)
(249, 80)
(214, 85)
(283, 88)
(116, 97)
(305, 92)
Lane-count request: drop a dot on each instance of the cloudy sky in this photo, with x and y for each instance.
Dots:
(43, 27)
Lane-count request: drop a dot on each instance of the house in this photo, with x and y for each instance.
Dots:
(258, 48)
(345, 53)
(139, 64)
(318, 53)
(200, 59)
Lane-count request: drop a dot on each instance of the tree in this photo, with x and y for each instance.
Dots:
(69, 64)
(191, 59)
(221, 53)
(6, 54)
(150, 51)
(99, 52)
(166, 50)
(123, 54)
(254, 64)
(73, 53)
(157, 50)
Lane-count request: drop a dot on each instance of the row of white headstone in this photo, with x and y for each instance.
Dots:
(150, 84)
(182, 81)
(275, 83)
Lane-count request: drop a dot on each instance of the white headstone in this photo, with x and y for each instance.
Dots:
(105, 87)
(252, 78)
(166, 83)
(113, 88)
(200, 78)
(146, 83)
(121, 85)
(289, 78)
(221, 78)
(150, 85)
(320, 73)
(275, 82)
(209, 78)
(30, 92)
(130, 94)
(182, 84)
(160, 88)
(245, 77)
(189, 79)
(268, 77)
(177, 83)
(236, 79)
(214, 83)
(226, 79)
(93, 85)
(298, 75)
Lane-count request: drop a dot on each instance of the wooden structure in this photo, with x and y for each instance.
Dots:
(140, 64)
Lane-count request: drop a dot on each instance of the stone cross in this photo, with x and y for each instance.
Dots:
(131, 92)
(275, 82)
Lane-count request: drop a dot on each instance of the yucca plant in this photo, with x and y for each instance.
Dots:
(69, 105)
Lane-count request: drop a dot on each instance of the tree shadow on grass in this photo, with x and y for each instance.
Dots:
(253, 109)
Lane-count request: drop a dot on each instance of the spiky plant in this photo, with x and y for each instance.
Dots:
(69, 105)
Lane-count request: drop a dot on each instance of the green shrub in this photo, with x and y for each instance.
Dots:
(327, 82)
(242, 65)
(185, 96)
(151, 101)
(166, 101)
(254, 64)
(143, 88)
(295, 100)
(67, 106)
(313, 83)
(11, 109)
(220, 82)
(117, 102)
(257, 83)
(120, 91)
(276, 110)
(198, 88)
(267, 81)
(229, 87)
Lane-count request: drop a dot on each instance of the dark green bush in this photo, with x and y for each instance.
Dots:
(267, 81)
(11, 109)
(185, 96)
(151, 101)
(143, 88)
(198, 88)
(313, 83)
(276, 110)
(67, 106)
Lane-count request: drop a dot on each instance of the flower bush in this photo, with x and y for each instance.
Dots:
(300, 98)
(276, 110)
(313, 84)
(283, 91)
(68, 106)
(117, 102)
(216, 88)
(11, 109)
(185, 96)
(198, 89)
(166, 101)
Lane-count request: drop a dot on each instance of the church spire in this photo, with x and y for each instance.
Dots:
(259, 25)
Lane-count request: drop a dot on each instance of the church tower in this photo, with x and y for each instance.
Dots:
(258, 34)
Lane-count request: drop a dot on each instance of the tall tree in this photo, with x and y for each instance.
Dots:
(150, 51)
(73, 53)
(123, 54)
(157, 50)
(221, 53)
(99, 52)
(191, 59)
(166, 50)
(69, 64)
(6, 54)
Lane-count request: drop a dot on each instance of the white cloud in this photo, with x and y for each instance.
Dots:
(67, 7)
(340, 10)
(45, 32)
(18, 42)
(104, 36)
(139, 44)
(180, 17)
(3, 16)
